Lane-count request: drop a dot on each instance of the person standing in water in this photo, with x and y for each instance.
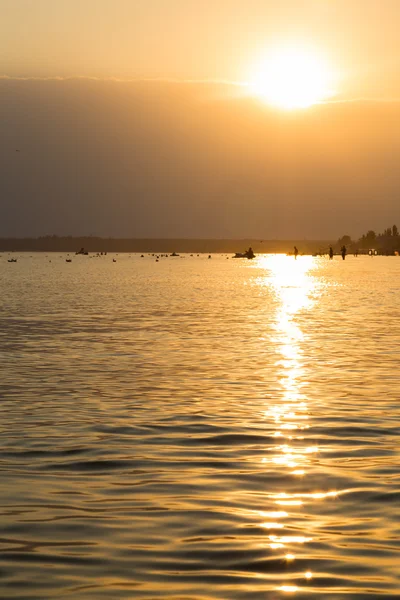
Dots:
(330, 252)
(295, 253)
(343, 252)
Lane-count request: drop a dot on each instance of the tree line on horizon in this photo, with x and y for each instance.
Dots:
(387, 242)
(93, 244)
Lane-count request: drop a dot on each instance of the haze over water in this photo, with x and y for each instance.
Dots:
(199, 429)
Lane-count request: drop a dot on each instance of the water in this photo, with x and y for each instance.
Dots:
(199, 429)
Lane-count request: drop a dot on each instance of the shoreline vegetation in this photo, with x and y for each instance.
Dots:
(386, 243)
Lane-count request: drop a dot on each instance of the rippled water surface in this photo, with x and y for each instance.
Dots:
(199, 429)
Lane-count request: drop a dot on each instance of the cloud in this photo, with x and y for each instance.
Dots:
(129, 80)
(190, 159)
(240, 85)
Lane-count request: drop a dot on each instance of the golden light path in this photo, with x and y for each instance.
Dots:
(293, 77)
(295, 289)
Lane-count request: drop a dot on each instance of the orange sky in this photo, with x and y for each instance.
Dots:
(192, 155)
(199, 39)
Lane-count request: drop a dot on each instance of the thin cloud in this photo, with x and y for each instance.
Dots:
(126, 80)
(201, 82)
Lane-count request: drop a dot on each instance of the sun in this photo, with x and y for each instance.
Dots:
(292, 78)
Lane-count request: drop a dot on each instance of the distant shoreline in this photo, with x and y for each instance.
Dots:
(99, 244)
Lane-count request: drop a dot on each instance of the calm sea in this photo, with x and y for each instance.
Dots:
(199, 429)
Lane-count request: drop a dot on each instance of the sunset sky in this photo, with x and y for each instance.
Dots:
(189, 118)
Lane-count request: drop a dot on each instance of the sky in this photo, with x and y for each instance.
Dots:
(139, 119)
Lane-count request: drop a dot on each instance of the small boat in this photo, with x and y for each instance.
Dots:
(247, 254)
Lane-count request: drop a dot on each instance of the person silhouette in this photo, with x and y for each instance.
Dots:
(295, 252)
(330, 252)
(343, 252)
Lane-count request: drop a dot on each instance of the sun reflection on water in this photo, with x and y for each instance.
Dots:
(288, 588)
(294, 287)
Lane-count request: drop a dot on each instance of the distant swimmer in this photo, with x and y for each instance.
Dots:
(330, 252)
(295, 252)
(343, 252)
